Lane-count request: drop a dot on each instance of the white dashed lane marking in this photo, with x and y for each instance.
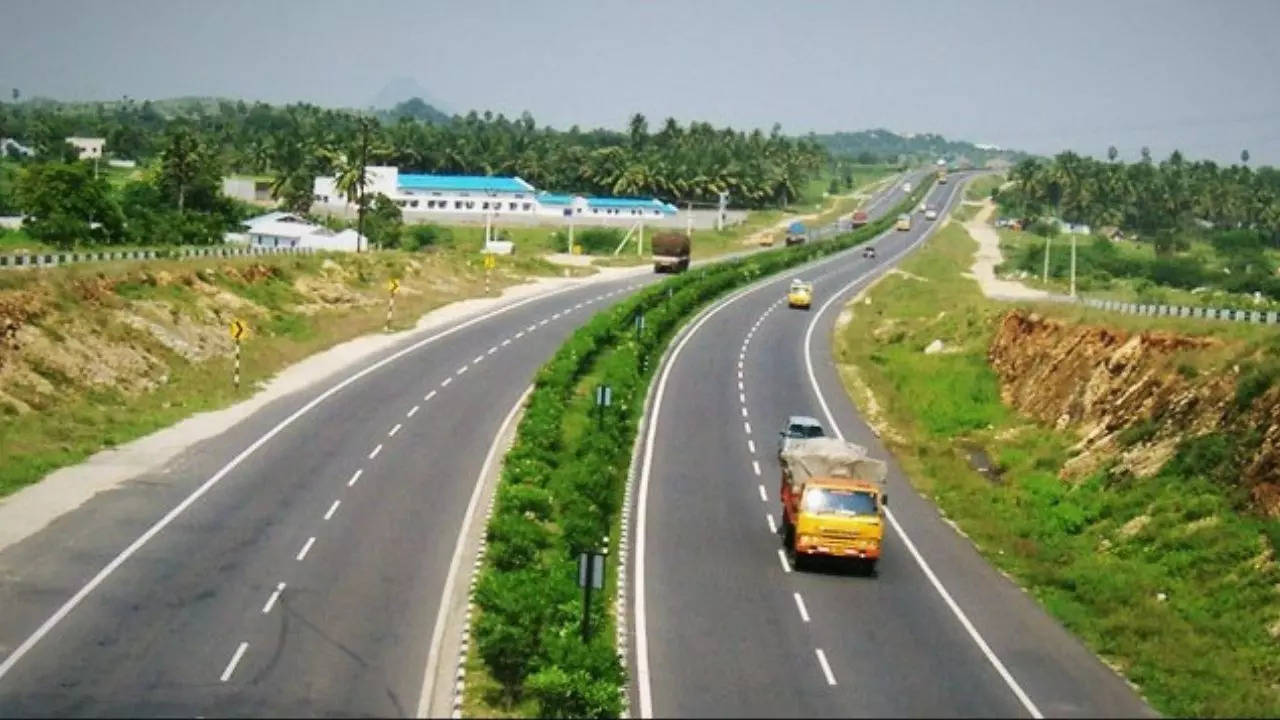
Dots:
(375, 452)
(332, 509)
(271, 601)
(306, 548)
(235, 660)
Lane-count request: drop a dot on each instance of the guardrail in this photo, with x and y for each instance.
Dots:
(45, 260)
(1262, 317)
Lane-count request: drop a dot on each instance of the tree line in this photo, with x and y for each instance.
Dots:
(1160, 202)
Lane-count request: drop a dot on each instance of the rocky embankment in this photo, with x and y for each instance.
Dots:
(1133, 398)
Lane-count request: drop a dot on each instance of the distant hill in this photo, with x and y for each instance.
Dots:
(402, 89)
(415, 108)
(882, 144)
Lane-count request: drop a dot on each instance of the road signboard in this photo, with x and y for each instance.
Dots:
(393, 285)
(238, 329)
(490, 261)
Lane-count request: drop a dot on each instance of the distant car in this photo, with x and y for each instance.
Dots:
(799, 427)
(921, 207)
(869, 251)
(906, 187)
(800, 295)
(930, 214)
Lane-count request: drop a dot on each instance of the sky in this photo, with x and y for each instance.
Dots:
(1037, 75)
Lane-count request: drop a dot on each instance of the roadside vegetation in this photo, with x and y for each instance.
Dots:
(1170, 577)
(1192, 233)
(95, 356)
(561, 492)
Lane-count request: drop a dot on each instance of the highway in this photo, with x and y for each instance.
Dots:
(293, 565)
(723, 626)
(305, 579)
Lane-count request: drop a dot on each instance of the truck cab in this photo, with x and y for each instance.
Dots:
(833, 502)
(797, 234)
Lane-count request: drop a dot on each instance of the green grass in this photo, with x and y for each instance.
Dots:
(15, 240)
(980, 188)
(1202, 651)
(66, 428)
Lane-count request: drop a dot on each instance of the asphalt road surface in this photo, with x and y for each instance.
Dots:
(723, 626)
(293, 565)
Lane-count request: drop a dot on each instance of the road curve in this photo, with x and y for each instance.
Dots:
(724, 626)
(303, 580)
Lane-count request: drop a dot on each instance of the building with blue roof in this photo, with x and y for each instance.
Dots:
(488, 197)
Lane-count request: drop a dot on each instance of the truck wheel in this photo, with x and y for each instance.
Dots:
(869, 568)
(788, 536)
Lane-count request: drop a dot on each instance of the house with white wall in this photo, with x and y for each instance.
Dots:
(288, 230)
(89, 148)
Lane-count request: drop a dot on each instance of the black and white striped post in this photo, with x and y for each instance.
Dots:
(392, 286)
(237, 332)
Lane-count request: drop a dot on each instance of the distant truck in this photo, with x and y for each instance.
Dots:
(797, 234)
(904, 222)
(833, 501)
(670, 252)
(859, 218)
(942, 176)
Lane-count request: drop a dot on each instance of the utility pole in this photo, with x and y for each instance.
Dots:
(724, 202)
(689, 221)
(570, 249)
(1047, 242)
(364, 163)
(1073, 264)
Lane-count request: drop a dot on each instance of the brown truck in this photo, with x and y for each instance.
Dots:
(859, 218)
(670, 252)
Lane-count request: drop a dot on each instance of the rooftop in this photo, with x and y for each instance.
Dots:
(464, 183)
(621, 203)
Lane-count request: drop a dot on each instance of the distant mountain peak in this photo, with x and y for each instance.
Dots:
(402, 88)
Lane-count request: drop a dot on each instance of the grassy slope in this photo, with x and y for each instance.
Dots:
(65, 429)
(1205, 650)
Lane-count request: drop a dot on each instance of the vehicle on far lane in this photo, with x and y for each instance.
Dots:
(930, 214)
(800, 294)
(797, 233)
(904, 222)
(670, 252)
(869, 251)
(798, 427)
(859, 218)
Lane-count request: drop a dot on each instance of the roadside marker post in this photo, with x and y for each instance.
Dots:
(490, 262)
(238, 330)
(604, 398)
(590, 577)
(393, 285)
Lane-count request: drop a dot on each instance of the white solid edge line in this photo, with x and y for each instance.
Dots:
(332, 509)
(804, 611)
(826, 669)
(437, 630)
(235, 660)
(199, 492)
(642, 507)
(906, 540)
(355, 477)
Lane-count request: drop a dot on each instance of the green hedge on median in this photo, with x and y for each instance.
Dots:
(557, 498)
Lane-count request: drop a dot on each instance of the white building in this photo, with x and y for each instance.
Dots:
(89, 148)
(482, 196)
(9, 146)
(281, 229)
(247, 188)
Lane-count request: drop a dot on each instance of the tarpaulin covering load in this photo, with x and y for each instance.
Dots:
(830, 457)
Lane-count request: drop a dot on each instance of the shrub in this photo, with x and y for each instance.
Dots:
(598, 240)
(421, 237)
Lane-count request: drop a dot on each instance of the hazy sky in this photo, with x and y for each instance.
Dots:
(1041, 75)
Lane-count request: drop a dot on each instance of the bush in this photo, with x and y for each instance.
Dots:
(421, 237)
(598, 240)
(1044, 228)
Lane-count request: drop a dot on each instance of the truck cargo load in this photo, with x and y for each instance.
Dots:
(859, 218)
(670, 252)
(809, 458)
(797, 233)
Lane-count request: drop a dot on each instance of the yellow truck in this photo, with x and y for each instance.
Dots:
(942, 176)
(904, 222)
(833, 502)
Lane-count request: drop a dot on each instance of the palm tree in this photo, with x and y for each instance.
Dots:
(1112, 153)
(1244, 157)
(180, 161)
